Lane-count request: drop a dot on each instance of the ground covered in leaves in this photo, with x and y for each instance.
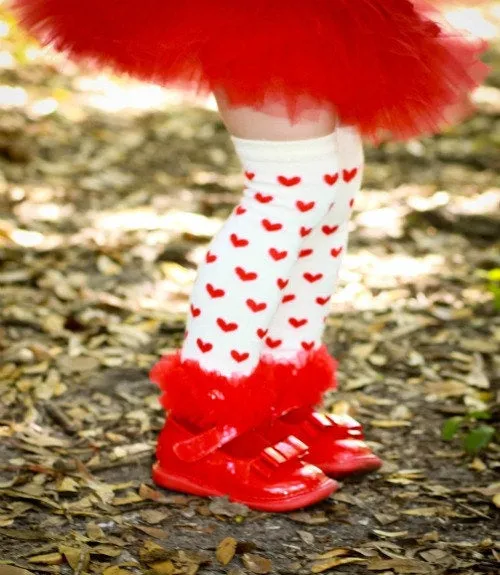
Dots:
(109, 194)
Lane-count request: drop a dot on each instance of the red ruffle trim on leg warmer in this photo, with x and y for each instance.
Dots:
(206, 399)
(304, 383)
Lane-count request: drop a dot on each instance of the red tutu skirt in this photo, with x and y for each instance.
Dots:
(387, 66)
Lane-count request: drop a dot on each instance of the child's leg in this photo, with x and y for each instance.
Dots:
(294, 338)
(298, 325)
(249, 263)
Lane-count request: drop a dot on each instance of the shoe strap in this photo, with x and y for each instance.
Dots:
(197, 447)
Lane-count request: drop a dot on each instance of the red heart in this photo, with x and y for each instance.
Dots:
(312, 278)
(195, 311)
(240, 210)
(305, 207)
(351, 203)
(270, 227)
(262, 332)
(307, 345)
(287, 298)
(214, 292)
(239, 357)
(256, 307)
(331, 179)
(226, 326)
(329, 230)
(210, 258)
(282, 283)
(263, 199)
(323, 300)
(249, 175)
(277, 255)
(204, 346)
(336, 251)
(238, 242)
(305, 231)
(245, 276)
(289, 182)
(305, 253)
(273, 343)
(296, 323)
(349, 175)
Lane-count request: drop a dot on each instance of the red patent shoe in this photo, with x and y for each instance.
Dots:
(343, 457)
(335, 441)
(209, 445)
(246, 469)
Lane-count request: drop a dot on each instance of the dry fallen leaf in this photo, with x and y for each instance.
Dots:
(155, 532)
(153, 516)
(326, 564)
(226, 550)
(163, 567)
(115, 570)
(47, 559)
(78, 559)
(256, 563)
(401, 565)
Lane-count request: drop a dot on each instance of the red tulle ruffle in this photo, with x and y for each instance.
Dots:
(388, 66)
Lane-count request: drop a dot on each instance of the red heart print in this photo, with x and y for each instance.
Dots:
(244, 275)
(226, 326)
(305, 253)
(289, 182)
(305, 231)
(307, 345)
(262, 332)
(256, 307)
(331, 179)
(282, 283)
(214, 292)
(210, 258)
(240, 210)
(296, 323)
(204, 346)
(238, 242)
(195, 311)
(273, 343)
(329, 230)
(305, 206)
(261, 198)
(239, 357)
(351, 203)
(323, 300)
(270, 227)
(311, 278)
(249, 175)
(336, 251)
(277, 255)
(349, 175)
(287, 298)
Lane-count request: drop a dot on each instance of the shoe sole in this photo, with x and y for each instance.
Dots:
(367, 467)
(176, 483)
